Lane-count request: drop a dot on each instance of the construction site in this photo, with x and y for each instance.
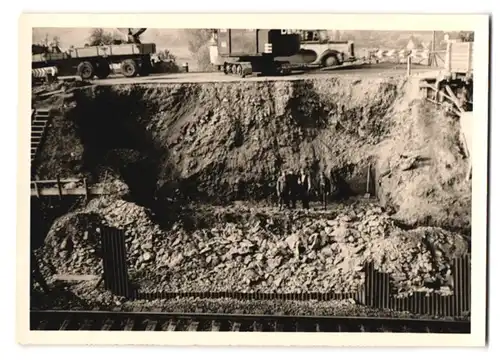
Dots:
(159, 193)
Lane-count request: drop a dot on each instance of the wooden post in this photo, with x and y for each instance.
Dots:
(36, 189)
(408, 65)
(59, 187)
(453, 97)
(85, 185)
(448, 57)
(470, 63)
(368, 177)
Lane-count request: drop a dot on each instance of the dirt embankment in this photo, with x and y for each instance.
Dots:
(207, 141)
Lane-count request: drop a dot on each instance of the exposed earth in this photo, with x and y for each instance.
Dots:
(194, 167)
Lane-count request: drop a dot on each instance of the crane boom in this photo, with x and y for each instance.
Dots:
(131, 35)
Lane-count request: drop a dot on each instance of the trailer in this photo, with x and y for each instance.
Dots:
(247, 51)
(89, 61)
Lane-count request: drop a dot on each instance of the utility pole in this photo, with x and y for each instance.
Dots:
(433, 54)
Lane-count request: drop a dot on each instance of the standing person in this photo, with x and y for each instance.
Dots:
(282, 190)
(324, 189)
(336, 190)
(305, 188)
(292, 188)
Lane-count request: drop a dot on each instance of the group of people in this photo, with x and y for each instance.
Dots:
(291, 187)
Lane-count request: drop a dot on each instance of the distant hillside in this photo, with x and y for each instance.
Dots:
(392, 39)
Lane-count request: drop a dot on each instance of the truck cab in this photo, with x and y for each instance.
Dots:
(326, 52)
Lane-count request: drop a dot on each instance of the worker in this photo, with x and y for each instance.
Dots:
(334, 184)
(304, 188)
(282, 190)
(292, 188)
(324, 189)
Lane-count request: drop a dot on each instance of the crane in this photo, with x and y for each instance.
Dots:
(131, 35)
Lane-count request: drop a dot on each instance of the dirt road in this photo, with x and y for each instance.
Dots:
(375, 70)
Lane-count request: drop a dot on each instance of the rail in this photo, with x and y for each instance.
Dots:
(57, 320)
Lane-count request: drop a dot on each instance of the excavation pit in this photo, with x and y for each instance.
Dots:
(186, 152)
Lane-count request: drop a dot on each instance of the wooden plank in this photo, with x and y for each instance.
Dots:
(59, 187)
(236, 327)
(453, 97)
(170, 326)
(278, 327)
(151, 325)
(64, 192)
(67, 277)
(68, 180)
(87, 324)
(42, 325)
(65, 324)
(257, 326)
(193, 326)
(129, 325)
(37, 193)
(215, 326)
(86, 187)
(107, 325)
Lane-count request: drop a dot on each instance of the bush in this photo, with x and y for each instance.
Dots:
(165, 62)
(99, 37)
(197, 40)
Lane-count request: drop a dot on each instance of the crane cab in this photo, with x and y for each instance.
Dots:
(244, 51)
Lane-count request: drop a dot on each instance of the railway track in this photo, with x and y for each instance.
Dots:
(58, 320)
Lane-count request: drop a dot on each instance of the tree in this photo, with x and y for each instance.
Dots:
(197, 40)
(165, 62)
(56, 41)
(166, 55)
(100, 37)
(466, 36)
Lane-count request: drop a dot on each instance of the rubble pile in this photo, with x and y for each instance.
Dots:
(313, 254)
(71, 245)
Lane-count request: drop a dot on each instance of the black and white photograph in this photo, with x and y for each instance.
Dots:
(254, 180)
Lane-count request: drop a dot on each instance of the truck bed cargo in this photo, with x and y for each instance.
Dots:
(90, 61)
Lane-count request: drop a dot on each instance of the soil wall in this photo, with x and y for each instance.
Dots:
(206, 141)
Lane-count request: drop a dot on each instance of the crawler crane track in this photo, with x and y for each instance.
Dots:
(54, 320)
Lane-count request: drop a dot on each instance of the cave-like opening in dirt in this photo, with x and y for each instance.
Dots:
(112, 129)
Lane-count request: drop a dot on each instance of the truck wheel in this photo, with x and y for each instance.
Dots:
(86, 70)
(145, 69)
(331, 60)
(129, 68)
(103, 70)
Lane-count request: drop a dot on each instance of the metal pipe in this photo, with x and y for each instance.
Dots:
(408, 65)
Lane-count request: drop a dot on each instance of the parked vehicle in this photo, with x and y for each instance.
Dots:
(246, 51)
(87, 62)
